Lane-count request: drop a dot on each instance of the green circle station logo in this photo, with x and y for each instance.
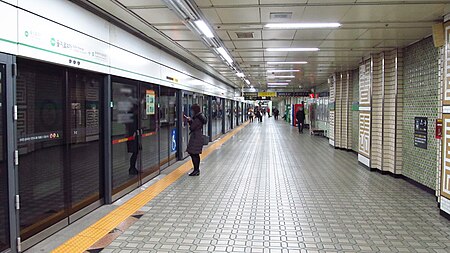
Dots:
(53, 41)
(27, 33)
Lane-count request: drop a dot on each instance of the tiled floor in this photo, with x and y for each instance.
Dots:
(270, 189)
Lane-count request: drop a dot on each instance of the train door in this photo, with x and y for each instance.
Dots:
(168, 126)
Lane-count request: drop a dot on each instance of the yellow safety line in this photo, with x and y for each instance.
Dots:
(88, 237)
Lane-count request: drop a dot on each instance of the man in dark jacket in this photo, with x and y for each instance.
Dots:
(300, 116)
(195, 144)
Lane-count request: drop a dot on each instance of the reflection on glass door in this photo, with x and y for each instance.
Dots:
(4, 217)
(227, 110)
(148, 131)
(168, 126)
(135, 156)
(187, 105)
(40, 130)
(58, 132)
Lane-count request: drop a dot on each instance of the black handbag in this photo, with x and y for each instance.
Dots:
(205, 139)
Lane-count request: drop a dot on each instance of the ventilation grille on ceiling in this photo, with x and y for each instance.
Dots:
(280, 15)
(244, 35)
(255, 65)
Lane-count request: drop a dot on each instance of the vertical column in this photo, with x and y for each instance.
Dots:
(337, 79)
(445, 173)
(365, 94)
(377, 111)
(332, 106)
(398, 162)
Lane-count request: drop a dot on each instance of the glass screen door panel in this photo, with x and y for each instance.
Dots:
(84, 139)
(41, 144)
(125, 147)
(4, 217)
(148, 130)
(168, 129)
(187, 105)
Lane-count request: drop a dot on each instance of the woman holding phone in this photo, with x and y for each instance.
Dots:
(195, 144)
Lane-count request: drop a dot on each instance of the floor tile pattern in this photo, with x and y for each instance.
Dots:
(270, 189)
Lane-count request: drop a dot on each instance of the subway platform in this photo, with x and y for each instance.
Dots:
(269, 189)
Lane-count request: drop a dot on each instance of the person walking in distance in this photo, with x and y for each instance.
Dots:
(195, 144)
(300, 116)
(276, 113)
(259, 114)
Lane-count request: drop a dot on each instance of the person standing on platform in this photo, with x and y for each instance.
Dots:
(251, 115)
(276, 113)
(195, 144)
(300, 116)
(259, 115)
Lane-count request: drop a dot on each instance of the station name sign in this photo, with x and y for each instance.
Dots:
(269, 95)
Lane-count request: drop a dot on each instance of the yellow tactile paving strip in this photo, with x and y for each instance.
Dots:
(88, 237)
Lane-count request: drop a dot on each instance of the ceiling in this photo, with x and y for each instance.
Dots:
(366, 27)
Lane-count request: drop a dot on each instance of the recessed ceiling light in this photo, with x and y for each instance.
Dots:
(288, 49)
(247, 81)
(240, 74)
(204, 28)
(286, 62)
(282, 70)
(302, 25)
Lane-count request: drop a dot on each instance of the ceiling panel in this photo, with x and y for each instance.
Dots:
(416, 12)
(192, 44)
(311, 34)
(311, 43)
(324, 13)
(297, 12)
(205, 54)
(229, 45)
(278, 34)
(238, 15)
(203, 3)
(181, 35)
(396, 43)
(283, 1)
(372, 13)
(346, 34)
(403, 33)
(172, 27)
(277, 43)
(223, 34)
(350, 43)
(131, 3)
(276, 54)
(256, 34)
(211, 16)
(248, 44)
(233, 3)
(251, 54)
(330, 1)
(158, 16)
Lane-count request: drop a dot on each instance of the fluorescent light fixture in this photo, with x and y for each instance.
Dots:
(247, 81)
(278, 84)
(204, 28)
(273, 77)
(302, 25)
(286, 62)
(225, 55)
(240, 74)
(282, 70)
(293, 49)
